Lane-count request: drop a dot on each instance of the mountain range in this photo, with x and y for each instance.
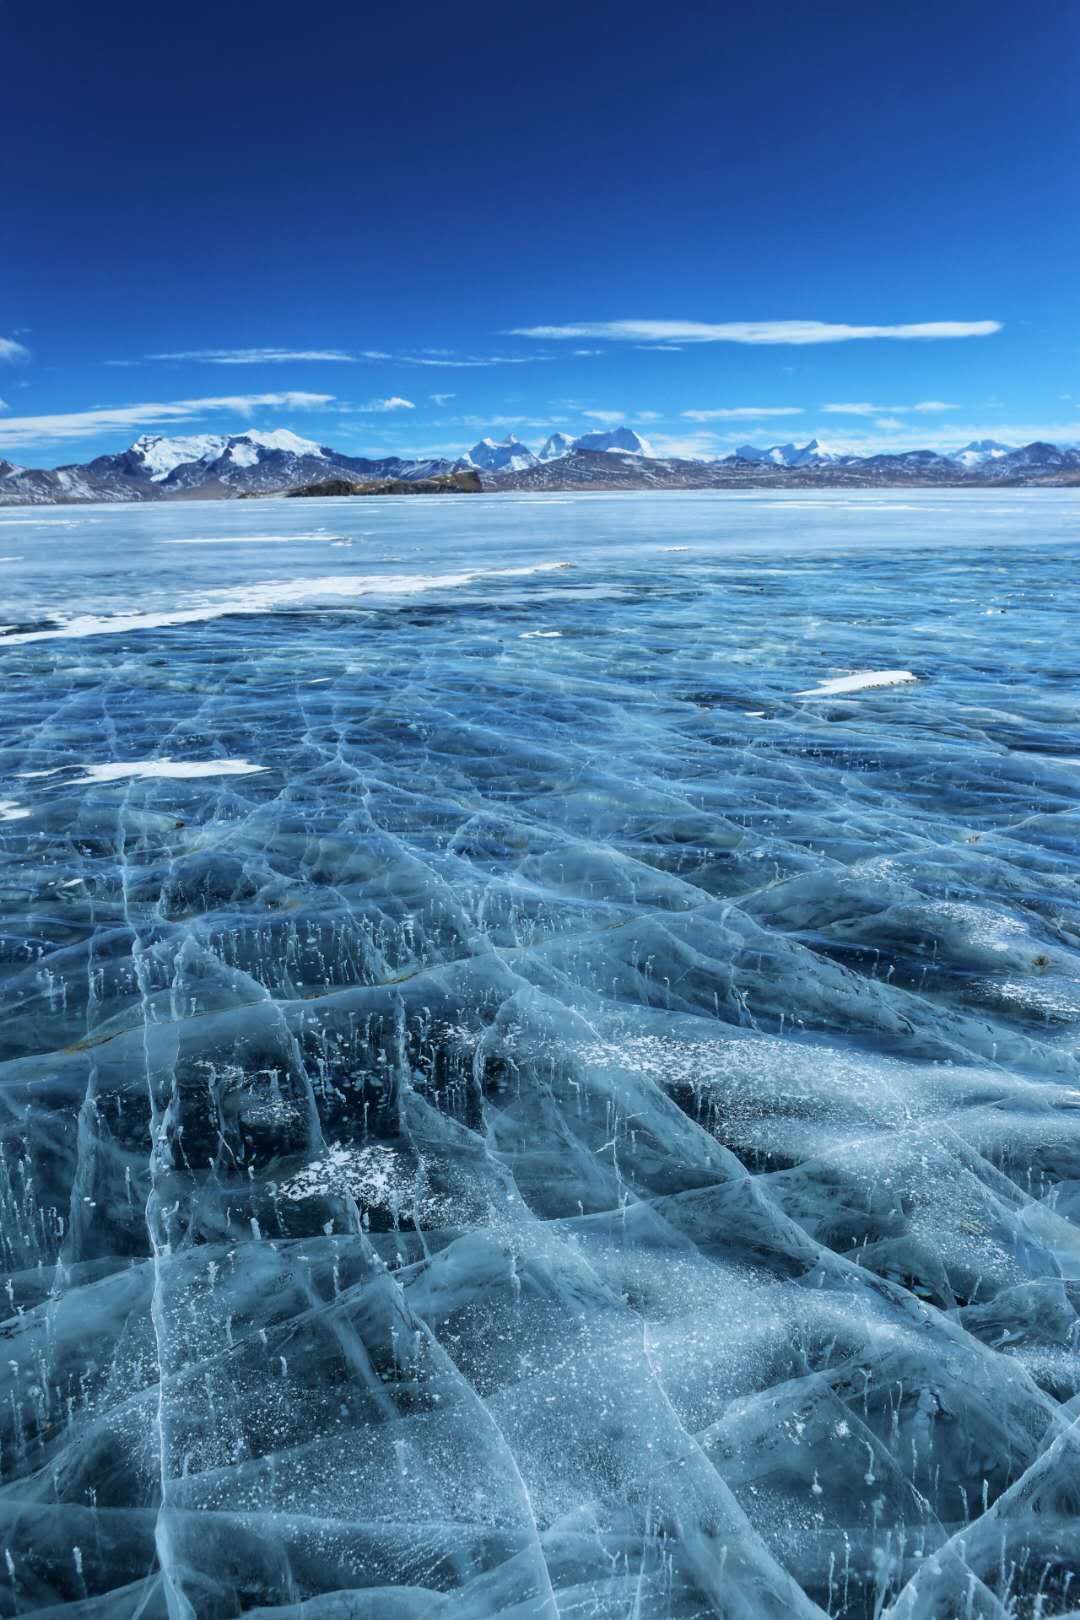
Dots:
(201, 467)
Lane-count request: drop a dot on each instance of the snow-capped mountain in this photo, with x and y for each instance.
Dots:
(980, 451)
(556, 446)
(1034, 460)
(159, 455)
(508, 455)
(619, 438)
(156, 467)
(40, 486)
(777, 454)
(282, 439)
(814, 454)
(244, 449)
(254, 462)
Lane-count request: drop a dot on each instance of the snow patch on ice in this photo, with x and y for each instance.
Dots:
(166, 767)
(861, 682)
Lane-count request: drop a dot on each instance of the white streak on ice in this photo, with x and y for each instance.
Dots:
(264, 597)
(861, 682)
(180, 768)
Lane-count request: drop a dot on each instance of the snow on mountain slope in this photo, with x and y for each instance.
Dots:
(777, 454)
(509, 455)
(243, 449)
(282, 439)
(813, 454)
(160, 455)
(556, 446)
(979, 451)
(620, 438)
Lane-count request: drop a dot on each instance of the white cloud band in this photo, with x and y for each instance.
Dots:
(735, 413)
(253, 357)
(925, 407)
(278, 356)
(796, 332)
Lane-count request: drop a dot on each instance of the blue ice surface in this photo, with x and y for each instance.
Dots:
(508, 1110)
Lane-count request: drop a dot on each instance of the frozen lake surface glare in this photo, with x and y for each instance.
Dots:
(528, 1091)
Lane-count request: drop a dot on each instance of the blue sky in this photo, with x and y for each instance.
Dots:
(394, 229)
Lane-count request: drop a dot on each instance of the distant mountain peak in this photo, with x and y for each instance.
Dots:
(814, 453)
(555, 447)
(160, 454)
(283, 439)
(980, 451)
(616, 438)
(508, 455)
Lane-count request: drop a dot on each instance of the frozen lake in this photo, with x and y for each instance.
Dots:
(539, 1061)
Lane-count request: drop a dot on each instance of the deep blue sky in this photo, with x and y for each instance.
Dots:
(419, 182)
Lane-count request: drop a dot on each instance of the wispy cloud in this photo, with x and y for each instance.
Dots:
(734, 413)
(483, 423)
(282, 356)
(255, 357)
(467, 362)
(442, 399)
(605, 416)
(798, 332)
(20, 432)
(394, 403)
(925, 407)
(10, 350)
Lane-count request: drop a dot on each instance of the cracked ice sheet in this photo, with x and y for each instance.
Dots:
(494, 1135)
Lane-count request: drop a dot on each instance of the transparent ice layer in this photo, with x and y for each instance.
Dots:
(510, 1111)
